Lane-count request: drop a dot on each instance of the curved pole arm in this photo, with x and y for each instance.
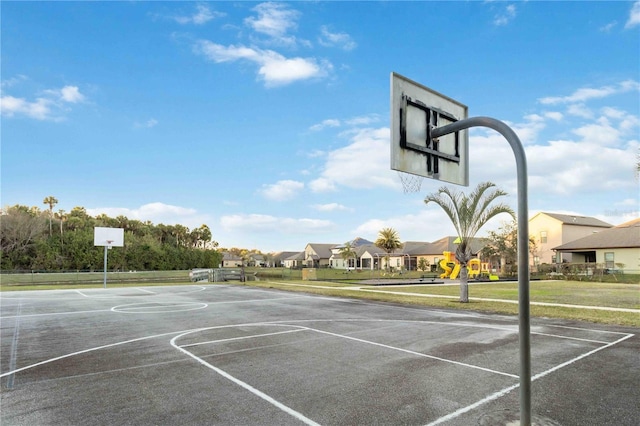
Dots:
(523, 247)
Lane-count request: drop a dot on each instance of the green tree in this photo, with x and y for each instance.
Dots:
(50, 201)
(468, 214)
(503, 246)
(347, 252)
(389, 241)
(20, 229)
(423, 264)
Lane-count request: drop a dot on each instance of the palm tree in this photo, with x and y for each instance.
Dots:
(347, 252)
(62, 217)
(468, 214)
(388, 240)
(50, 201)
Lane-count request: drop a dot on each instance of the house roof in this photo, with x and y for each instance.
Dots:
(577, 220)
(296, 256)
(626, 235)
(322, 250)
(356, 242)
(230, 256)
(284, 254)
(369, 248)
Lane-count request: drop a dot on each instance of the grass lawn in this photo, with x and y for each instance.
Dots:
(612, 295)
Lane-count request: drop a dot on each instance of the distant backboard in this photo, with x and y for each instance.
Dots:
(110, 237)
(415, 109)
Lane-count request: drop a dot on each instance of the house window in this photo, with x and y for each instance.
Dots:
(536, 260)
(609, 260)
(543, 237)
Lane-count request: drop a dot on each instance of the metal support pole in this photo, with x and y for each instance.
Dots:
(523, 248)
(105, 266)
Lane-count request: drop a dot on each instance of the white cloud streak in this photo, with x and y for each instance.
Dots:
(273, 68)
(634, 16)
(282, 190)
(336, 39)
(201, 16)
(50, 106)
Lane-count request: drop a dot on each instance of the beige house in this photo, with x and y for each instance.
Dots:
(295, 260)
(551, 230)
(318, 255)
(616, 248)
(230, 260)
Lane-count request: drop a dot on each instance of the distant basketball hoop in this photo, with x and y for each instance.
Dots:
(107, 238)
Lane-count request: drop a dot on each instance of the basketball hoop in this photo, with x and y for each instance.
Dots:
(109, 242)
(410, 183)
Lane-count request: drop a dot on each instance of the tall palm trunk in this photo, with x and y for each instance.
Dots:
(463, 255)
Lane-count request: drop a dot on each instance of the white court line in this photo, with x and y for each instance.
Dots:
(57, 313)
(420, 354)
(145, 290)
(246, 386)
(506, 390)
(111, 345)
(278, 404)
(483, 299)
(240, 338)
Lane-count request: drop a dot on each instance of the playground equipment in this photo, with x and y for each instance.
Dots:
(475, 268)
(450, 265)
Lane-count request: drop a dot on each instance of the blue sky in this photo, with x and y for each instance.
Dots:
(269, 122)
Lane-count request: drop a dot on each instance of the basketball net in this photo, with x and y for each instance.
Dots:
(410, 183)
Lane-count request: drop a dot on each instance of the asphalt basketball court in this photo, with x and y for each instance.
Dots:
(235, 355)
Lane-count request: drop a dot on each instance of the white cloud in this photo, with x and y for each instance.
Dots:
(331, 39)
(588, 93)
(201, 16)
(634, 16)
(331, 207)
(273, 68)
(505, 16)
(608, 27)
(71, 94)
(48, 107)
(156, 213)
(364, 163)
(40, 109)
(331, 122)
(274, 20)
(152, 122)
(362, 120)
(322, 185)
(282, 190)
(260, 223)
(579, 110)
(554, 115)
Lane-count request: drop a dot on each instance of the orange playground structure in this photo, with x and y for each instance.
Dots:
(476, 268)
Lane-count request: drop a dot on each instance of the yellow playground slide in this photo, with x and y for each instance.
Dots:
(456, 271)
(447, 269)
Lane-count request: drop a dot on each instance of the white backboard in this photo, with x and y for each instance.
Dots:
(413, 108)
(112, 237)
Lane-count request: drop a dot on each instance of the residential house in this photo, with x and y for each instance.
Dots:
(616, 248)
(338, 262)
(230, 260)
(318, 255)
(296, 260)
(279, 257)
(551, 230)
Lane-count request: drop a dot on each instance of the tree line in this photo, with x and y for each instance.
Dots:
(35, 239)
